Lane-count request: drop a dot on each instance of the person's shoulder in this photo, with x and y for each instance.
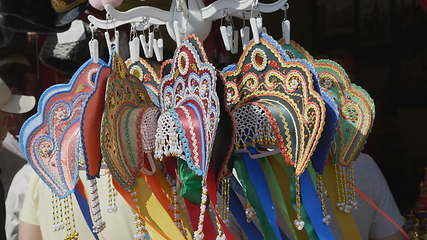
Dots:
(368, 175)
(21, 179)
(365, 163)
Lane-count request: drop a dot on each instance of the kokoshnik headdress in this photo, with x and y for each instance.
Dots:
(128, 126)
(189, 113)
(356, 117)
(274, 103)
(51, 140)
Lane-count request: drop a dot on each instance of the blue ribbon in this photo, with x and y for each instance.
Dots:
(236, 207)
(257, 178)
(313, 207)
(84, 208)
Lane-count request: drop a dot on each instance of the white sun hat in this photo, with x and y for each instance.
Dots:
(14, 103)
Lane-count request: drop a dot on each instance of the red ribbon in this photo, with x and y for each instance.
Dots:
(380, 211)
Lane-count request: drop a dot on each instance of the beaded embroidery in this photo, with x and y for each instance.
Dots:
(356, 116)
(357, 111)
(288, 112)
(146, 74)
(122, 128)
(50, 139)
(91, 124)
(190, 108)
(283, 98)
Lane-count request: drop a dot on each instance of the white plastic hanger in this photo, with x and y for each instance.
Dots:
(104, 24)
(286, 26)
(189, 20)
(214, 10)
(138, 12)
(93, 45)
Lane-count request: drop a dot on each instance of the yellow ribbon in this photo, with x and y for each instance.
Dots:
(345, 221)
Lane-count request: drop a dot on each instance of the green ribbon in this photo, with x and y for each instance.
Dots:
(251, 195)
(277, 196)
(307, 227)
(191, 183)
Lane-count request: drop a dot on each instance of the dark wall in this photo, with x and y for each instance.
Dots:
(383, 46)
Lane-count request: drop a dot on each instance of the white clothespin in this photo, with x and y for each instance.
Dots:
(134, 45)
(158, 49)
(108, 39)
(227, 32)
(235, 44)
(143, 39)
(261, 28)
(245, 35)
(115, 43)
(286, 26)
(213, 11)
(177, 31)
(93, 45)
(223, 30)
(150, 43)
(158, 46)
(256, 23)
(147, 47)
(144, 45)
(254, 27)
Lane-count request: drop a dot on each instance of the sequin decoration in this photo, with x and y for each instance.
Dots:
(126, 103)
(274, 102)
(50, 139)
(189, 107)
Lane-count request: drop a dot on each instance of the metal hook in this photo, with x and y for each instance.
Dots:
(157, 29)
(92, 30)
(285, 10)
(132, 31)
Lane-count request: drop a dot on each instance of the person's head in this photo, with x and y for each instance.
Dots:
(11, 103)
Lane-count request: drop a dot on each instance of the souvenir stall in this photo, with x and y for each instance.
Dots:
(239, 135)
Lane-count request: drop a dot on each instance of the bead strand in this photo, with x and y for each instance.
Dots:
(112, 193)
(198, 235)
(98, 223)
(323, 194)
(177, 217)
(298, 222)
(141, 231)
